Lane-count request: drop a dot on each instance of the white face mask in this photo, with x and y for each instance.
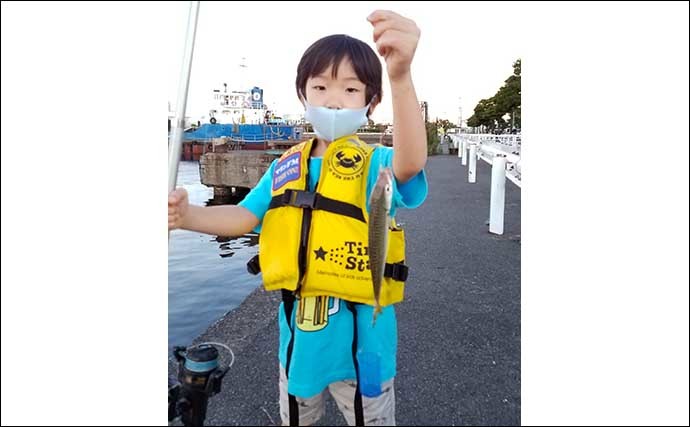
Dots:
(331, 124)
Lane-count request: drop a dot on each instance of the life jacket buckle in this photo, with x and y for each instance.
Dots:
(302, 199)
(397, 271)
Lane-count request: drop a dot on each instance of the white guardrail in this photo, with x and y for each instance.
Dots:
(502, 152)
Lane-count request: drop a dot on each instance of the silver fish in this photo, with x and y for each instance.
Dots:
(379, 222)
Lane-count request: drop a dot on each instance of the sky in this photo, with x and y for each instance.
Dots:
(465, 52)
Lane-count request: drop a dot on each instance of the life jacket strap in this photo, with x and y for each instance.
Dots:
(316, 201)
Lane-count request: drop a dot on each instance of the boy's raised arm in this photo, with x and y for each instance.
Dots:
(396, 40)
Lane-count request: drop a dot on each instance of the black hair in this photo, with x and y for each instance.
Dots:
(331, 50)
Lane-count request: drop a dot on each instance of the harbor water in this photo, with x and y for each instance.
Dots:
(207, 275)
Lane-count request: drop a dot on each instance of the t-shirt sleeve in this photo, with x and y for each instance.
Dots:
(259, 198)
(409, 195)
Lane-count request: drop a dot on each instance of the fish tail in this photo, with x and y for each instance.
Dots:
(377, 310)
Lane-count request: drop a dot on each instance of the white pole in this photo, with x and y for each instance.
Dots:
(175, 146)
(464, 152)
(459, 141)
(473, 163)
(498, 193)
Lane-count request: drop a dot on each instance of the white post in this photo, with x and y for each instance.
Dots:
(460, 142)
(473, 163)
(464, 152)
(498, 193)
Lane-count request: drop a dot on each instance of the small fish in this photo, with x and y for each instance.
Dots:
(379, 222)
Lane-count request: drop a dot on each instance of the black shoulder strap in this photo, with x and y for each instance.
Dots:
(288, 307)
(359, 410)
(289, 300)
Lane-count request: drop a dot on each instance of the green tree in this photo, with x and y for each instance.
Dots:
(445, 124)
(485, 114)
(431, 137)
(508, 98)
(490, 112)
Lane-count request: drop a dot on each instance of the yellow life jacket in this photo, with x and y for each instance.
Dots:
(317, 242)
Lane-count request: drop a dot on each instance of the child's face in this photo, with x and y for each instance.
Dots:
(345, 91)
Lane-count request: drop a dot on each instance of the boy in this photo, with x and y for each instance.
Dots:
(311, 208)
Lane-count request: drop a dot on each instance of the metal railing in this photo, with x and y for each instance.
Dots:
(502, 152)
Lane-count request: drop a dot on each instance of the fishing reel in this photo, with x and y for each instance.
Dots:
(199, 377)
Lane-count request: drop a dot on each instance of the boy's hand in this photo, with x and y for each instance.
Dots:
(178, 204)
(396, 40)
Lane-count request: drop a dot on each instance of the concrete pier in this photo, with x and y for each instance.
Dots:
(235, 168)
(227, 167)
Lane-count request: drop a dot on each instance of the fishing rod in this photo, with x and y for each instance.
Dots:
(199, 373)
(175, 145)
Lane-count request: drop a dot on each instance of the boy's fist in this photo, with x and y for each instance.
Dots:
(396, 39)
(178, 203)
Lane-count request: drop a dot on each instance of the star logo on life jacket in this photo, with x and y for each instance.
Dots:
(320, 253)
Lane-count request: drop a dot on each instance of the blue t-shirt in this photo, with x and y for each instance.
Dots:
(322, 355)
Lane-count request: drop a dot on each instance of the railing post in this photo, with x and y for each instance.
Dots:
(471, 176)
(464, 152)
(498, 193)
